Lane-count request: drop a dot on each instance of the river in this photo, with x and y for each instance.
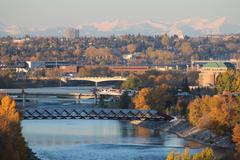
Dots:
(100, 140)
(96, 139)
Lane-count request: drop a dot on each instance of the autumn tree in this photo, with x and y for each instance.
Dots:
(170, 156)
(13, 145)
(219, 113)
(165, 40)
(236, 136)
(160, 56)
(142, 99)
(95, 71)
(195, 112)
(77, 52)
(132, 82)
(162, 97)
(228, 81)
(91, 52)
(159, 98)
(186, 48)
(205, 154)
(5, 59)
(131, 48)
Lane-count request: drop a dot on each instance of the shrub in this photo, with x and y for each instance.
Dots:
(206, 154)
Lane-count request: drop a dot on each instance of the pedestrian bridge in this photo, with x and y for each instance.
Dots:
(98, 114)
(94, 79)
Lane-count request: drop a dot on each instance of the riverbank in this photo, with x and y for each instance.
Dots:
(32, 155)
(183, 129)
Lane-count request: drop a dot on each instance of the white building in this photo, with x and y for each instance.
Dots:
(35, 64)
(127, 56)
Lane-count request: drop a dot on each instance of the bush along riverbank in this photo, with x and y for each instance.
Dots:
(12, 143)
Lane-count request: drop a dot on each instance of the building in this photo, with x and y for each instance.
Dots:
(165, 68)
(129, 69)
(210, 71)
(127, 56)
(71, 33)
(35, 64)
(68, 69)
(53, 64)
(197, 64)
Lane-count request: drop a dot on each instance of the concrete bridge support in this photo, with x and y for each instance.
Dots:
(78, 99)
(23, 98)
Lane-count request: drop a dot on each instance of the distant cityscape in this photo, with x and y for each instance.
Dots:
(120, 80)
(121, 55)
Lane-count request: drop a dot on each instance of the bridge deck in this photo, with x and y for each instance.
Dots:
(108, 114)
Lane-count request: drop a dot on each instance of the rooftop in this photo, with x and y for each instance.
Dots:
(226, 65)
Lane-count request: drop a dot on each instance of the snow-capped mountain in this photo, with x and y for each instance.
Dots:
(190, 27)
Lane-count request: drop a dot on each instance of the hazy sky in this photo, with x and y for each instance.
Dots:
(52, 13)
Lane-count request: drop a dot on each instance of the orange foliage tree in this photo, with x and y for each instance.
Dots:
(12, 143)
(219, 113)
(236, 136)
(141, 101)
(205, 154)
(195, 112)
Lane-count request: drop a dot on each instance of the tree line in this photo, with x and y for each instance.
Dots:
(215, 109)
(157, 49)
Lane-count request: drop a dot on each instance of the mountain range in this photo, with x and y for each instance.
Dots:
(190, 27)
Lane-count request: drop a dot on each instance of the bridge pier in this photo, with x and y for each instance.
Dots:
(96, 84)
(23, 98)
(96, 98)
(78, 99)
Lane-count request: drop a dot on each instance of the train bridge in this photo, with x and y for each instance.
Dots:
(96, 113)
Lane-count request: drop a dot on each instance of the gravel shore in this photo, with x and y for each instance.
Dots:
(183, 129)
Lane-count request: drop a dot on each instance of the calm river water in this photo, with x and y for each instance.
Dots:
(95, 139)
(99, 140)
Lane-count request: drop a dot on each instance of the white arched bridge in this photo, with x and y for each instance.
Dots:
(96, 80)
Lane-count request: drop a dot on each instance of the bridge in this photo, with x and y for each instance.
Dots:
(93, 79)
(35, 95)
(97, 114)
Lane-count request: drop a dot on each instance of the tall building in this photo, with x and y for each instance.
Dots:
(71, 33)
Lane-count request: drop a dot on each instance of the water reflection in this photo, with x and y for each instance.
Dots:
(55, 138)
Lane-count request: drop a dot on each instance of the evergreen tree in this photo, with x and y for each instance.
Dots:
(185, 86)
(125, 101)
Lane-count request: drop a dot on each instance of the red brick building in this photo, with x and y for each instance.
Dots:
(130, 69)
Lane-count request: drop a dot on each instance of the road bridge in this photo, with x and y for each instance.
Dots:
(35, 95)
(96, 80)
(94, 113)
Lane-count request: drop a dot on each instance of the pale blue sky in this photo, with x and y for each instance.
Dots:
(52, 13)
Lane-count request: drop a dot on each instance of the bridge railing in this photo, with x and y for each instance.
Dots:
(104, 114)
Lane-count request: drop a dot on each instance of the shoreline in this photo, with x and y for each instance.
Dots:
(31, 154)
(184, 130)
